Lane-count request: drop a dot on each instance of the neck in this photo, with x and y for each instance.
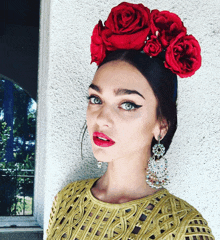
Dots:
(124, 180)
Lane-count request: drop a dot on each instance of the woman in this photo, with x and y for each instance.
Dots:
(131, 120)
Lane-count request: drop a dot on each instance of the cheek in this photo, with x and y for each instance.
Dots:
(138, 129)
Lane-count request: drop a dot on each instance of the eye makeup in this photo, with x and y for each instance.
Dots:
(128, 105)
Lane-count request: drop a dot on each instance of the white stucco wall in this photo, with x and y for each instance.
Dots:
(65, 74)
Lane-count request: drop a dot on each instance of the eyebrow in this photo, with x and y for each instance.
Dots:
(119, 91)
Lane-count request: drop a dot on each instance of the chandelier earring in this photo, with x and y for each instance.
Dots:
(157, 173)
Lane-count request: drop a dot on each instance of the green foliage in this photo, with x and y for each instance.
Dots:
(14, 184)
(23, 205)
(4, 136)
(7, 194)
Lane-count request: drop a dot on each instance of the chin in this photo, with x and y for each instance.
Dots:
(102, 157)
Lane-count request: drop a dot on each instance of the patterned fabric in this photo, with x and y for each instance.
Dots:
(77, 215)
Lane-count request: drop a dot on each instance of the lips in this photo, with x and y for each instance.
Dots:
(102, 140)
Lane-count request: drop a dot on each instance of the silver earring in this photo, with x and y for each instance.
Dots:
(99, 164)
(157, 173)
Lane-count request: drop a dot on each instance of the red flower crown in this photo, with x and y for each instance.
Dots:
(134, 26)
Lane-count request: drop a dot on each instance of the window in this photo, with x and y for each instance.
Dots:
(17, 150)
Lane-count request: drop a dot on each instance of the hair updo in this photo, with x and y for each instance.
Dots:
(162, 81)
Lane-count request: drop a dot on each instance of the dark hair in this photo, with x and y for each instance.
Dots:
(162, 81)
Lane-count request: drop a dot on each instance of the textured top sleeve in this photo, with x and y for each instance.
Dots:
(55, 209)
(52, 215)
(192, 226)
(198, 229)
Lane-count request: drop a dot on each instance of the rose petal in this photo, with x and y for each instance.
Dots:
(97, 47)
(183, 56)
(168, 24)
(126, 41)
(152, 47)
(128, 18)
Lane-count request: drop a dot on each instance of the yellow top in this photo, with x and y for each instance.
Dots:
(77, 215)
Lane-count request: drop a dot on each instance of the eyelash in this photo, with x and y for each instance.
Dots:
(135, 106)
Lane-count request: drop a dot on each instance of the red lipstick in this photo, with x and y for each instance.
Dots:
(102, 140)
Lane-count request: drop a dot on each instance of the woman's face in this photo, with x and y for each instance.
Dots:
(122, 106)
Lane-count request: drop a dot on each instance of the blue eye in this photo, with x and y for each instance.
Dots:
(94, 100)
(128, 106)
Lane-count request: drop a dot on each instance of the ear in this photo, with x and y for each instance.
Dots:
(161, 128)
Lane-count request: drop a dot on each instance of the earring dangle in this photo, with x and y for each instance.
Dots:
(157, 173)
(99, 164)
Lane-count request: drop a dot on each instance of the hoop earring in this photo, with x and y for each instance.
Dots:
(99, 164)
(157, 173)
(82, 138)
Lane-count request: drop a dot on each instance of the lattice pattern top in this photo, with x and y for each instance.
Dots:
(77, 215)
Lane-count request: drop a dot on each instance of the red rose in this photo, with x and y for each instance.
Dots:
(127, 27)
(153, 46)
(183, 56)
(97, 47)
(167, 24)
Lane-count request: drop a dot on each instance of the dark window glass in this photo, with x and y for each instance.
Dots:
(17, 149)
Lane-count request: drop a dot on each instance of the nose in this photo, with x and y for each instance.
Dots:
(105, 116)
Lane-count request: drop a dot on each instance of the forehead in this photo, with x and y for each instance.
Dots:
(120, 74)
